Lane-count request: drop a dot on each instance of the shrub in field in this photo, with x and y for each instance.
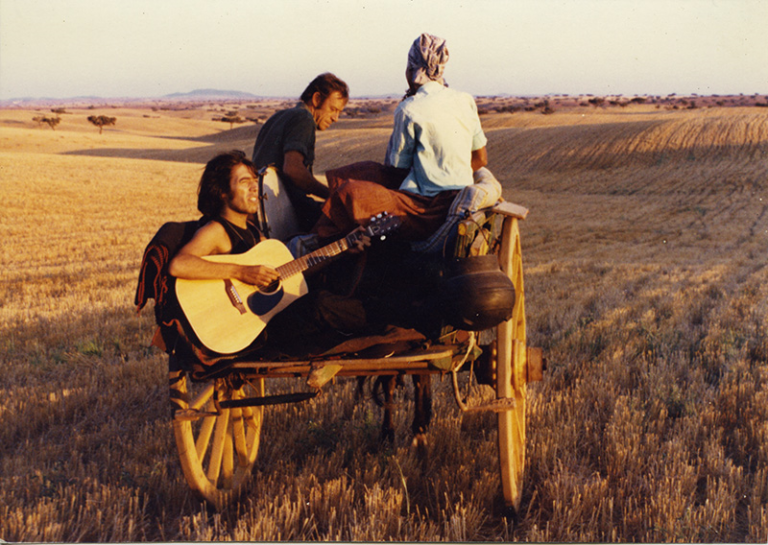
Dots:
(50, 121)
(232, 119)
(596, 101)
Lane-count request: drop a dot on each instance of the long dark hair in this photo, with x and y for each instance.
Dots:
(215, 181)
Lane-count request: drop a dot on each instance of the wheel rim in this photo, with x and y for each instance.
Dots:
(217, 447)
(511, 376)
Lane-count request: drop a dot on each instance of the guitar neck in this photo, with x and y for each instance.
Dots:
(314, 258)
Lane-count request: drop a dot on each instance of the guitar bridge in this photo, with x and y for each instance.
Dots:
(234, 297)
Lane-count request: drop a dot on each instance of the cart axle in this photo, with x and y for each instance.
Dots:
(266, 400)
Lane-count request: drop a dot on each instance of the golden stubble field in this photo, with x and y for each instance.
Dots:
(646, 284)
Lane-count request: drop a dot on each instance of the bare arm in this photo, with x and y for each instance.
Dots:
(213, 240)
(294, 168)
(479, 159)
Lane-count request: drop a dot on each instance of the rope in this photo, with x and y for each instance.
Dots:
(455, 372)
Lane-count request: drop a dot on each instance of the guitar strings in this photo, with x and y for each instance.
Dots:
(312, 259)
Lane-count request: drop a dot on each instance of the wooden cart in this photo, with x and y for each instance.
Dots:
(217, 422)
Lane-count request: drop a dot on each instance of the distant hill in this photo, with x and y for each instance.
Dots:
(198, 95)
(501, 102)
(211, 94)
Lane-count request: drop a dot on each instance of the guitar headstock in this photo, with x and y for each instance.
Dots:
(382, 224)
(379, 226)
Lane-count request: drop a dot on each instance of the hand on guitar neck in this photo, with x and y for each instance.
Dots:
(361, 243)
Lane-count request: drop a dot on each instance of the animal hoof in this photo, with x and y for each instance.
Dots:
(420, 441)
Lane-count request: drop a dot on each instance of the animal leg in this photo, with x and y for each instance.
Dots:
(387, 426)
(422, 414)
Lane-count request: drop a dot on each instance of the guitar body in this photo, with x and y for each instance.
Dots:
(212, 309)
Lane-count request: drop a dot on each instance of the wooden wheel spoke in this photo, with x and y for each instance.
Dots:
(238, 432)
(227, 462)
(202, 398)
(217, 450)
(253, 421)
(204, 436)
(249, 418)
(253, 418)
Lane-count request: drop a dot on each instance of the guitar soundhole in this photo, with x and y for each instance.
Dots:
(272, 288)
(264, 300)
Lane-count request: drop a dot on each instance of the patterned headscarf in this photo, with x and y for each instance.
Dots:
(427, 59)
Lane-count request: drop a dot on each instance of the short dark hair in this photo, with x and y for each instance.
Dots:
(215, 181)
(325, 84)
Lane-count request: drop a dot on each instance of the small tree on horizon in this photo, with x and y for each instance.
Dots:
(232, 119)
(596, 101)
(102, 121)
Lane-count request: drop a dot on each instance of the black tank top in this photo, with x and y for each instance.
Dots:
(242, 239)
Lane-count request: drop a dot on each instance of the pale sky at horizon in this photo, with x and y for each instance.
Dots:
(147, 48)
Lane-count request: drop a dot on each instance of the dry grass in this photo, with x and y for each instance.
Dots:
(646, 285)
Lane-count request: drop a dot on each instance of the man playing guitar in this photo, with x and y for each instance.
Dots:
(227, 195)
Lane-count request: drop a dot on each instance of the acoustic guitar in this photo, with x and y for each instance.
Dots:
(228, 315)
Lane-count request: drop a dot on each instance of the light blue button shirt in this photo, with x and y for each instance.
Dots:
(435, 133)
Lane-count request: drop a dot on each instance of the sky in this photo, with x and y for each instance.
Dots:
(150, 48)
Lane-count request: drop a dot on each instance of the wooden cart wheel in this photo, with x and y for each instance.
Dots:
(511, 354)
(217, 446)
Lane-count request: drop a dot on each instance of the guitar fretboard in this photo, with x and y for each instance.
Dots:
(314, 258)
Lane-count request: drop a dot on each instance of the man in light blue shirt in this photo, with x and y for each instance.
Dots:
(437, 143)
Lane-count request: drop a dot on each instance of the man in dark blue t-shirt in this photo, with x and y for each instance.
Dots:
(287, 141)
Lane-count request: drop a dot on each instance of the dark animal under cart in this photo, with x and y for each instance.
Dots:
(217, 421)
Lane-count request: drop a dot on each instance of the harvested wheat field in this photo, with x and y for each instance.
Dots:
(646, 284)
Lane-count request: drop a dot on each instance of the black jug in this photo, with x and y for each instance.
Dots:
(475, 294)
